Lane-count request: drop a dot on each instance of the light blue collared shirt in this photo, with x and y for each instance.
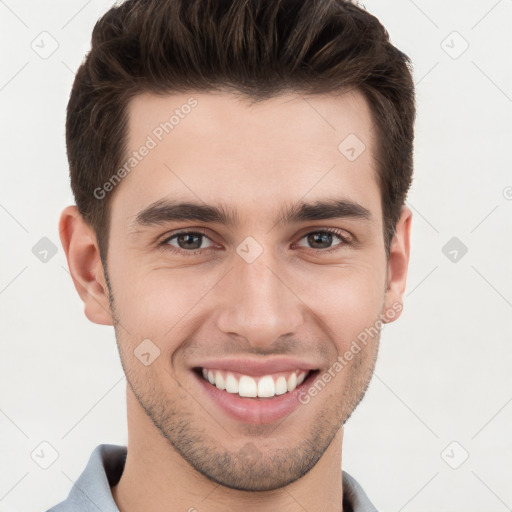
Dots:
(91, 492)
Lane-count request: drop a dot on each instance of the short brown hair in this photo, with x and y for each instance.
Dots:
(257, 48)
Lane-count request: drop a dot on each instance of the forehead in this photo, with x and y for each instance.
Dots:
(216, 147)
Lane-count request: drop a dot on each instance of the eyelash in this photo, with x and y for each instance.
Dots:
(164, 244)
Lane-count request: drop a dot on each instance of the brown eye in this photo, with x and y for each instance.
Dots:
(323, 239)
(187, 241)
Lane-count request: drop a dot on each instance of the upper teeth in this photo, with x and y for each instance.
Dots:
(247, 386)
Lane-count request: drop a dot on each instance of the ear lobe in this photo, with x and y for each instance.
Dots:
(82, 253)
(398, 264)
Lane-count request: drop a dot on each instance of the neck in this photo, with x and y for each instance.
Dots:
(157, 478)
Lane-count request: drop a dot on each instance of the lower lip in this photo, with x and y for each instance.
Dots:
(255, 410)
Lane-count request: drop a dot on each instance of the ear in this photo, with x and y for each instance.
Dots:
(80, 245)
(398, 264)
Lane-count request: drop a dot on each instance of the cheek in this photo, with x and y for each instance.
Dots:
(347, 300)
(158, 303)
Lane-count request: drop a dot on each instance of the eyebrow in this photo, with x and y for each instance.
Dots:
(322, 210)
(164, 211)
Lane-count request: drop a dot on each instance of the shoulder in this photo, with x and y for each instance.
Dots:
(354, 496)
(91, 492)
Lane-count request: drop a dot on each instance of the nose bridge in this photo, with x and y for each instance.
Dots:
(257, 303)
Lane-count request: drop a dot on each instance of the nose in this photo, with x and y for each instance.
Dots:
(257, 302)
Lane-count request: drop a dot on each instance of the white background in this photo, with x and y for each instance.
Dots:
(443, 373)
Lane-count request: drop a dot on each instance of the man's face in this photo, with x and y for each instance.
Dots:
(263, 288)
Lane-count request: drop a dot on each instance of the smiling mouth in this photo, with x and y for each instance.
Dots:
(264, 387)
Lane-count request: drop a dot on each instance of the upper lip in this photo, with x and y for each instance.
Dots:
(257, 367)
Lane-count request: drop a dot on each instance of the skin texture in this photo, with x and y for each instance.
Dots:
(295, 299)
